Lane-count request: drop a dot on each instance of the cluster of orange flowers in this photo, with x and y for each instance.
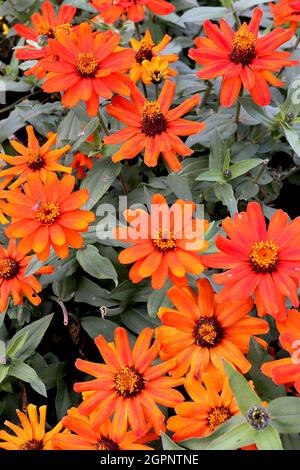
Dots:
(261, 264)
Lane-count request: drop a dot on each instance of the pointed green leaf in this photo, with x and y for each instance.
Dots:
(211, 175)
(96, 265)
(23, 371)
(242, 391)
(268, 439)
(240, 168)
(285, 414)
(225, 194)
(168, 443)
(235, 438)
(16, 344)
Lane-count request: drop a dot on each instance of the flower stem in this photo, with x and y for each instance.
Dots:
(106, 132)
(156, 91)
(236, 16)
(206, 95)
(238, 112)
(138, 31)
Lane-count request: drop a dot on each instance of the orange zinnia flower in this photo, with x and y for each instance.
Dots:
(201, 332)
(33, 159)
(242, 58)
(287, 370)
(167, 245)
(212, 405)
(13, 265)
(127, 385)
(32, 434)
(111, 10)
(44, 26)
(82, 163)
(262, 261)
(87, 65)
(152, 126)
(286, 11)
(48, 214)
(156, 70)
(147, 50)
(105, 437)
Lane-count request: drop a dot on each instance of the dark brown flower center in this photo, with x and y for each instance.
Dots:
(32, 445)
(86, 64)
(129, 382)
(243, 51)
(106, 444)
(164, 240)
(35, 161)
(145, 51)
(264, 257)
(9, 268)
(153, 120)
(218, 416)
(208, 332)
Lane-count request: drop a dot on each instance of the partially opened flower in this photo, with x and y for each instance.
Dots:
(87, 66)
(128, 386)
(44, 26)
(165, 243)
(35, 158)
(201, 332)
(156, 71)
(47, 214)
(105, 437)
(242, 58)
(112, 10)
(213, 404)
(31, 435)
(287, 370)
(286, 12)
(81, 163)
(145, 49)
(152, 126)
(259, 260)
(13, 279)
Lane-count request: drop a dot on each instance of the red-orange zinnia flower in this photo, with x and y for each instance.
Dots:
(105, 437)
(13, 280)
(47, 214)
(145, 49)
(32, 435)
(165, 243)
(201, 331)
(242, 58)
(87, 65)
(152, 126)
(260, 260)
(287, 370)
(41, 160)
(44, 26)
(111, 10)
(213, 404)
(82, 163)
(127, 385)
(286, 12)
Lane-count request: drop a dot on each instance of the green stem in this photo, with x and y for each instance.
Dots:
(295, 169)
(145, 89)
(156, 91)
(238, 112)
(206, 95)
(20, 100)
(259, 174)
(106, 132)
(236, 16)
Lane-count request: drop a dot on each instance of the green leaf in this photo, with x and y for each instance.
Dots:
(200, 14)
(16, 344)
(95, 326)
(90, 293)
(212, 175)
(99, 179)
(240, 168)
(35, 332)
(179, 186)
(242, 391)
(62, 400)
(24, 372)
(268, 439)
(285, 414)
(168, 443)
(137, 320)
(257, 112)
(265, 387)
(35, 264)
(292, 138)
(3, 372)
(96, 265)
(202, 443)
(217, 152)
(242, 435)
(225, 194)
(158, 298)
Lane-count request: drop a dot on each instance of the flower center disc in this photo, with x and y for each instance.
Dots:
(32, 445)
(47, 212)
(218, 416)
(153, 121)
(164, 240)
(86, 64)
(8, 268)
(106, 444)
(129, 382)
(35, 161)
(243, 51)
(145, 51)
(207, 332)
(264, 257)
